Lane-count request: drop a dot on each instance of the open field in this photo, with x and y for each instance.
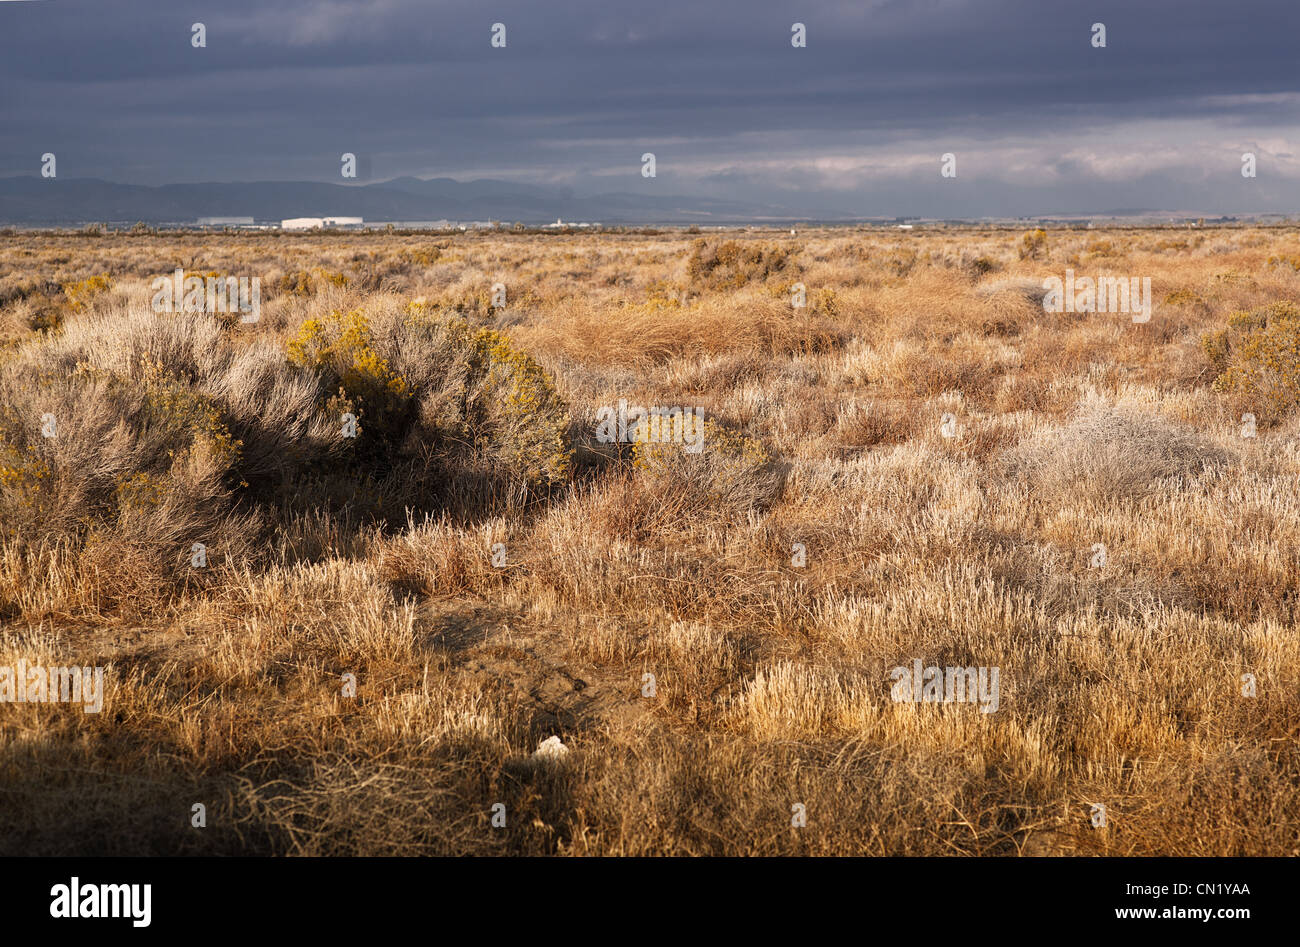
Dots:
(920, 464)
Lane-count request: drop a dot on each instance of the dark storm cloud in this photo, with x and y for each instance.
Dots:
(1039, 119)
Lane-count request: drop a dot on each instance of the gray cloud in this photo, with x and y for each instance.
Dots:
(1039, 119)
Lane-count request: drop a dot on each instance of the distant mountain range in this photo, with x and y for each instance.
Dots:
(32, 200)
(57, 202)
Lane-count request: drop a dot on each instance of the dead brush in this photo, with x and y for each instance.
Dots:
(731, 471)
(1107, 454)
(730, 264)
(754, 323)
(861, 426)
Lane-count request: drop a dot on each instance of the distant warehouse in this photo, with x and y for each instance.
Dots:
(225, 221)
(315, 223)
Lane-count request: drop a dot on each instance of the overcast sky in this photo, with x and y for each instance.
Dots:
(1040, 121)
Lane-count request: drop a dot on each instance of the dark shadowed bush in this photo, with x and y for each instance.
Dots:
(129, 437)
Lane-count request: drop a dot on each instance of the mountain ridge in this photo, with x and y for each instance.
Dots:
(29, 199)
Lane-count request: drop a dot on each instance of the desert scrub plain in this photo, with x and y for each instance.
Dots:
(1121, 683)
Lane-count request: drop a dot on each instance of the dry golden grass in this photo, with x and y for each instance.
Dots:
(1120, 681)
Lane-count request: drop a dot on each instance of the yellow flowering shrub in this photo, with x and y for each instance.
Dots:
(1258, 359)
(193, 418)
(524, 421)
(421, 256)
(1183, 297)
(308, 282)
(81, 293)
(1033, 244)
(340, 348)
(423, 380)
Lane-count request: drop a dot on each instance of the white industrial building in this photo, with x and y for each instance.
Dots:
(561, 224)
(315, 223)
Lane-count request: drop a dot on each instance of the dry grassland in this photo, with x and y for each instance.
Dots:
(1121, 683)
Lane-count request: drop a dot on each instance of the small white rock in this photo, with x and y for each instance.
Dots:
(551, 750)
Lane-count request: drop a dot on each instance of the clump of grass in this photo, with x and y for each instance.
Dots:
(731, 470)
(731, 264)
(1183, 297)
(1105, 453)
(1030, 289)
(304, 283)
